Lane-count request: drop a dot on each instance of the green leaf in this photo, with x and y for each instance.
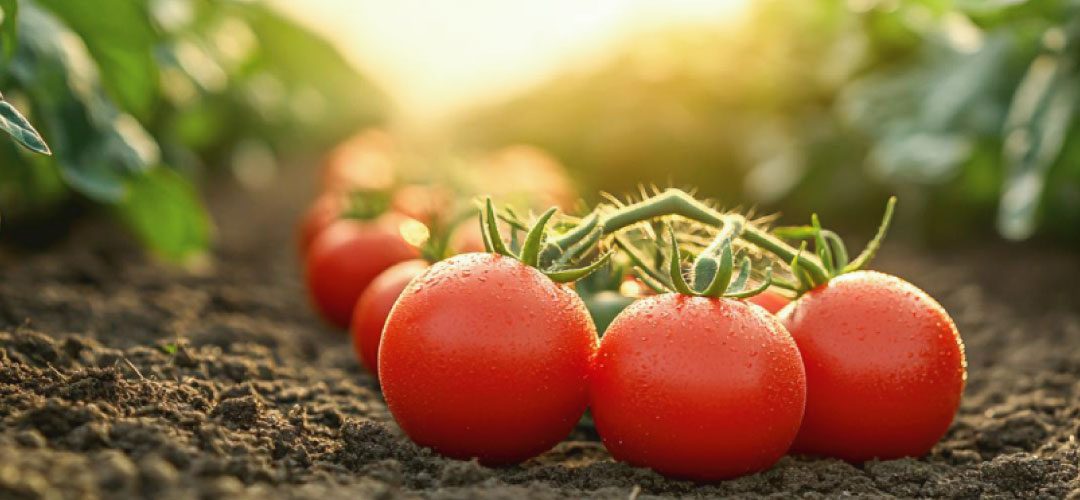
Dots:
(97, 147)
(1042, 111)
(12, 122)
(164, 212)
(530, 253)
(9, 13)
(121, 39)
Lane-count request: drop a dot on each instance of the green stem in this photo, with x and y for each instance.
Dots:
(678, 202)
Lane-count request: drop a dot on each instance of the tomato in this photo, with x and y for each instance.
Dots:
(326, 209)
(527, 174)
(770, 300)
(369, 315)
(885, 368)
(697, 388)
(424, 203)
(604, 306)
(366, 161)
(346, 256)
(486, 357)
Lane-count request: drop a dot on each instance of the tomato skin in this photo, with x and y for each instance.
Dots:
(770, 300)
(346, 257)
(326, 209)
(486, 357)
(885, 368)
(371, 311)
(697, 388)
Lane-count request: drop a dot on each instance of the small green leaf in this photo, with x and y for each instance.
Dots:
(824, 253)
(164, 211)
(678, 282)
(13, 122)
(530, 252)
(484, 235)
(569, 275)
(720, 282)
(497, 243)
(637, 260)
(871, 248)
(742, 277)
(9, 14)
(794, 232)
(765, 284)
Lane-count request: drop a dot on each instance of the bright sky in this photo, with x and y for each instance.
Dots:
(439, 57)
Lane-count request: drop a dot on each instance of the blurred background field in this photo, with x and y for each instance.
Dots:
(965, 109)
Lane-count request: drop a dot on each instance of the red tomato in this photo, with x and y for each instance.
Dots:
(346, 256)
(486, 357)
(884, 368)
(697, 388)
(364, 162)
(323, 211)
(424, 203)
(770, 300)
(374, 306)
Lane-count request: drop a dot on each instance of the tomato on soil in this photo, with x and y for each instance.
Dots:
(346, 256)
(326, 209)
(371, 311)
(425, 203)
(885, 368)
(697, 388)
(483, 356)
(770, 300)
(366, 161)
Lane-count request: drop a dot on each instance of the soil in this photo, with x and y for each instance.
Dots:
(122, 378)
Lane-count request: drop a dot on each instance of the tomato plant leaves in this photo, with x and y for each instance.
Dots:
(9, 11)
(12, 122)
(1040, 116)
(121, 44)
(164, 212)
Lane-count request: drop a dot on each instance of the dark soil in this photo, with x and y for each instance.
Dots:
(122, 378)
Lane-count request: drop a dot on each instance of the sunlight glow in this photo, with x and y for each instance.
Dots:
(438, 58)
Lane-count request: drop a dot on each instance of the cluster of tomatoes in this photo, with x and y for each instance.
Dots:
(493, 354)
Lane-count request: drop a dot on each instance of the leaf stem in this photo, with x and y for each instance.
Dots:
(678, 202)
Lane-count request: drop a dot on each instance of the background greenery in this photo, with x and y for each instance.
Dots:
(966, 109)
(137, 97)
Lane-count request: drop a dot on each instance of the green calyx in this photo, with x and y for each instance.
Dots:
(829, 250)
(539, 251)
(713, 272)
(366, 204)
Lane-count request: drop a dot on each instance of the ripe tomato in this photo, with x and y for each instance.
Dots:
(486, 357)
(697, 388)
(346, 256)
(369, 315)
(326, 209)
(366, 161)
(770, 300)
(424, 203)
(884, 368)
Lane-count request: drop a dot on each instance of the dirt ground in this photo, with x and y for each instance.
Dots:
(121, 378)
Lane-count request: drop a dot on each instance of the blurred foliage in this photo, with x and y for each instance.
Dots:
(966, 109)
(137, 97)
